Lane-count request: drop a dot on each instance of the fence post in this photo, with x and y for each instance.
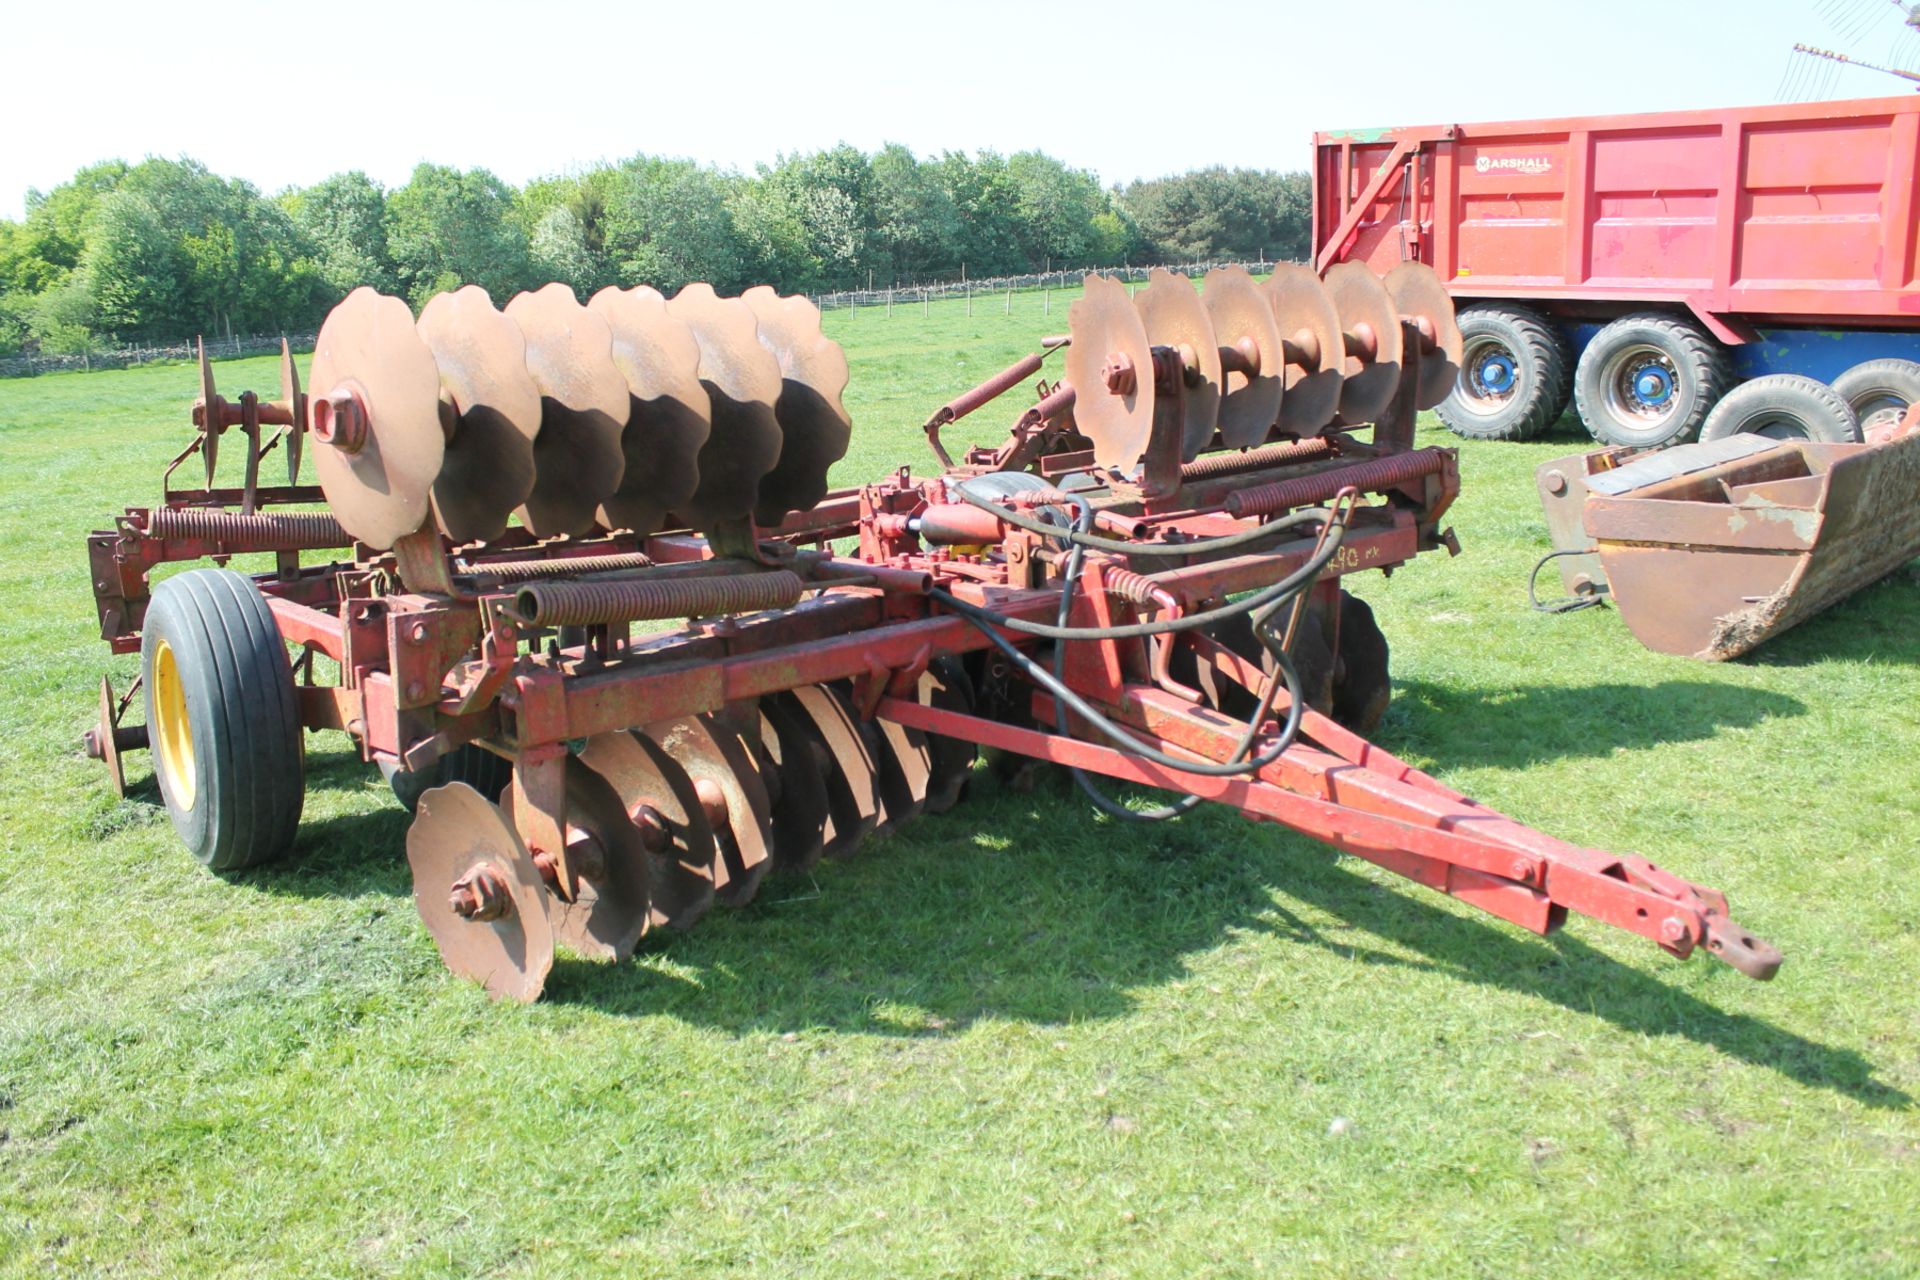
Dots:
(969, 302)
(889, 304)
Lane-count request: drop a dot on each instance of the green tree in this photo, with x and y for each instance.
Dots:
(668, 224)
(39, 253)
(1221, 213)
(917, 227)
(344, 219)
(566, 222)
(449, 227)
(62, 319)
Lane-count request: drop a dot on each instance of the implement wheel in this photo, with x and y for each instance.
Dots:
(1516, 373)
(1879, 391)
(222, 718)
(469, 762)
(1783, 406)
(1649, 380)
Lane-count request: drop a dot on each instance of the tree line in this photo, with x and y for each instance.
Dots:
(166, 248)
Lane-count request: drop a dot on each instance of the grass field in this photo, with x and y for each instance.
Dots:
(1016, 1039)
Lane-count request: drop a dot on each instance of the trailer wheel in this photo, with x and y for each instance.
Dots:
(222, 718)
(474, 765)
(1879, 391)
(1783, 406)
(1516, 374)
(1649, 380)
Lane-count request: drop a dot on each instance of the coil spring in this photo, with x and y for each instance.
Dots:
(580, 604)
(1273, 455)
(561, 567)
(1307, 491)
(1135, 588)
(287, 531)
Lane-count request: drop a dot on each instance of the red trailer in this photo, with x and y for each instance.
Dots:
(1642, 264)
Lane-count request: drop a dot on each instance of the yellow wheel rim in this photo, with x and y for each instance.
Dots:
(172, 734)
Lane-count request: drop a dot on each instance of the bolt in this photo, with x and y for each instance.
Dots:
(712, 799)
(1118, 373)
(1556, 483)
(1522, 869)
(93, 742)
(481, 894)
(340, 419)
(586, 854)
(1673, 930)
(416, 690)
(654, 833)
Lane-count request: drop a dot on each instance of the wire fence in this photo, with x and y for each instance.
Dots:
(920, 295)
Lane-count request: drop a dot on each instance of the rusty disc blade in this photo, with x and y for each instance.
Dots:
(577, 458)
(109, 746)
(1243, 321)
(1110, 350)
(1174, 316)
(945, 685)
(669, 416)
(482, 356)
(368, 352)
(1417, 292)
(801, 820)
(650, 786)
(844, 759)
(296, 407)
(726, 777)
(210, 426)
(1366, 312)
(1309, 327)
(902, 764)
(814, 425)
(742, 381)
(455, 831)
(610, 911)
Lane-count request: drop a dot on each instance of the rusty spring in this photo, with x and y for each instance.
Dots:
(559, 567)
(579, 604)
(287, 531)
(1135, 588)
(1273, 455)
(1307, 491)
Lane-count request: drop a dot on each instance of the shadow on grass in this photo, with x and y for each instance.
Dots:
(1518, 725)
(1025, 907)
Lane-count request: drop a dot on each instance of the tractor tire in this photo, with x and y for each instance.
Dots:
(1783, 406)
(1649, 380)
(222, 719)
(479, 768)
(1516, 375)
(1879, 391)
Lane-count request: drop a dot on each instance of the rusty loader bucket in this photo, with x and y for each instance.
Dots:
(1711, 549)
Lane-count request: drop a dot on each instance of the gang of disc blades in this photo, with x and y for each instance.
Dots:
(847, 765)
(1243, 319)
(495, 408)
(723, 765)
(669, 416)
(610, 911)
(1365, 306)
(742, 381)
(578, 460)
(680, 872)
(368, 351)
(814, 424)
(1304, 313)
(456, 829)
(1110, 368)
(1417, 293)
(1173, 316)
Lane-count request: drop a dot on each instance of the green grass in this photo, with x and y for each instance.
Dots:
(1014, 1040)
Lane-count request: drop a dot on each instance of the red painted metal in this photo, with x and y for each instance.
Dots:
(1782, 214)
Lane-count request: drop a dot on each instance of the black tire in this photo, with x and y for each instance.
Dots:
(1879, 391)
(1516, 374)
(1685, 373)
(222, 719)
(479, 768)
(1783, 406)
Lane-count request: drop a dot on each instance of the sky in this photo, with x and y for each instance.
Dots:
(285, 94)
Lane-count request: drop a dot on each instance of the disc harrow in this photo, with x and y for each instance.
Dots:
(1143, 581)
